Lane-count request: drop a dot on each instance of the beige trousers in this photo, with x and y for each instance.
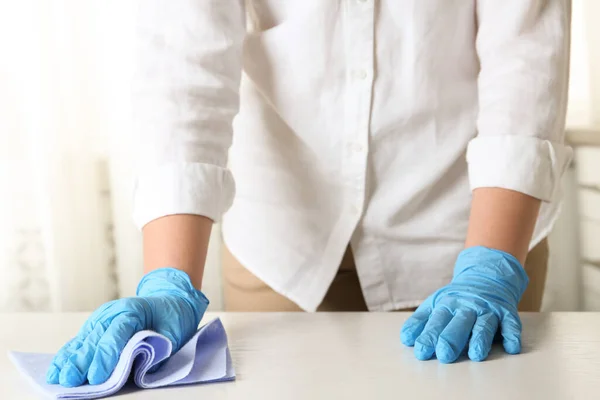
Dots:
(243, 291)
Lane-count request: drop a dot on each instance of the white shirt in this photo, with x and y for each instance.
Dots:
(352, 122)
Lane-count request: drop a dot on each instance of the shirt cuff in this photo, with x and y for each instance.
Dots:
(524, 164)
(182, 188)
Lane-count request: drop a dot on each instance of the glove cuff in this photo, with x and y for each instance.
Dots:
(494, 264)
(173, 282)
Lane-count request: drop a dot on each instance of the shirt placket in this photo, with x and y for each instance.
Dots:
(360, 73)
(360, 52)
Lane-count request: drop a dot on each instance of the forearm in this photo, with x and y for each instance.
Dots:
(185, 94)
(523, 52)
(178, 241)
(502, 219)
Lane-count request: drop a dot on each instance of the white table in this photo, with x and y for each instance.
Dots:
(351, 356)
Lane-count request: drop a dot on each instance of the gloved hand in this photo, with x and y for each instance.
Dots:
(165, 302)
(483, 295)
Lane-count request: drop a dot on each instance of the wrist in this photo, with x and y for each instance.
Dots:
(179, 241)
(494, 265)
(502, 219)
(173, 282)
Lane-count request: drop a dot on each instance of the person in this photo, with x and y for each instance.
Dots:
(386, 154)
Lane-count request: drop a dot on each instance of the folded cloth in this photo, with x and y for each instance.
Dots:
(204, 358)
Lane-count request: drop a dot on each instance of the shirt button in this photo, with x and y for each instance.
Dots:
(356, 147)
(360, 74)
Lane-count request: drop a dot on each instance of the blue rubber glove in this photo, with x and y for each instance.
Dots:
(165, 302)
(483, 295)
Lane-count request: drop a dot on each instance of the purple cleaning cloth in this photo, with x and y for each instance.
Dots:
(204, 358)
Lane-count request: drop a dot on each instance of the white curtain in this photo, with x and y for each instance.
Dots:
(66, 237)
(57, 249)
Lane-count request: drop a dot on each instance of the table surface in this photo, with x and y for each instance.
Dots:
(351, 356)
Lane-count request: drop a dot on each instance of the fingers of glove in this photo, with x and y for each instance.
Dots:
(427, 340)
(454, 337)
(414, 325)
(110, 346)
(483, 335)
(510, 328)
(74, 372)
(61, 358)
(52, 375)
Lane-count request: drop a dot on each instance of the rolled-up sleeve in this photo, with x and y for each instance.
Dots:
(523, 48)
(185, 94)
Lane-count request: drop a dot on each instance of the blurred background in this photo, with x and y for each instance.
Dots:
(67, 240)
